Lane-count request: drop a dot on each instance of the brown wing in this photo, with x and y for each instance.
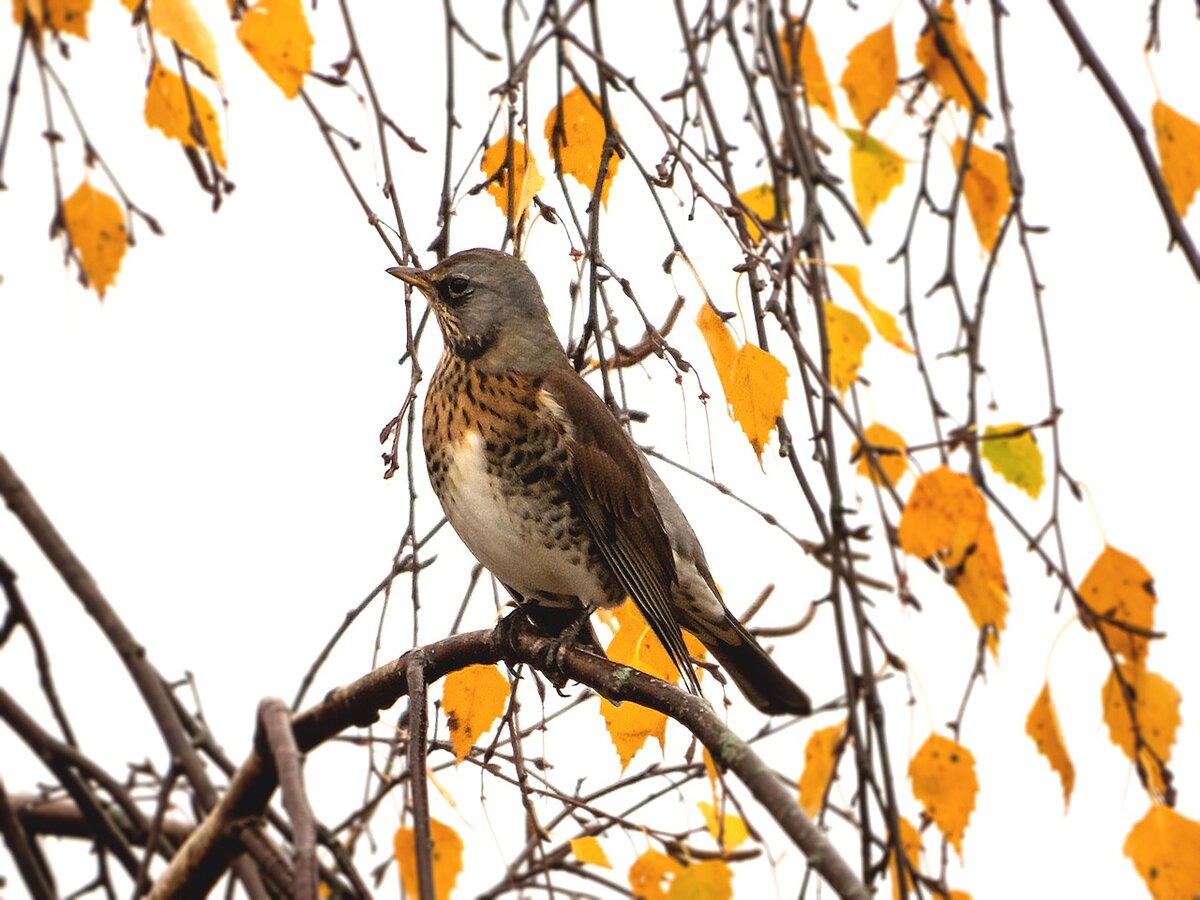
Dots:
(608, 488)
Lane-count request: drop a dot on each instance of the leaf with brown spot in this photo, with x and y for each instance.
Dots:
(473, 698)
(1178, 141)
(875, 171)
(1120, 587)
(1156, 705)
(1165, 849)
(943, 779)
(96, 225)
(167, 109)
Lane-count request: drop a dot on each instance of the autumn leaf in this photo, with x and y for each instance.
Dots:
(711, 879)
(587, 850)
(1120, 587)
(943, 778)
(526, 179)
(875, 171)
(1017, 459)
(760, 201)
(758, 387)
(1156, 705)
(940, 69)
(276, 35)
(894, 465)
(848, 338)
(812, 70)
(649, 871)
(167, 110)
(447, 858)
(710, 769)
(910, 842)
(819, 763)
(884, 322)
(579, 146)
(1042, 725)
(871, 73)
(473, 698)
(96, 225)
(63, 16)
(1178, 140)
(178, 21)
(721, 345)
(1165, 849)
(985, 185)
(729, 827)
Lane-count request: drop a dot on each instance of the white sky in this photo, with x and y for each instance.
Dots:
(206, 438)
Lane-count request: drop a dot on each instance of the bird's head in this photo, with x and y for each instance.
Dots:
(490, 310)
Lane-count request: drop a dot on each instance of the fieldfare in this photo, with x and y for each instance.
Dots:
(547, 490)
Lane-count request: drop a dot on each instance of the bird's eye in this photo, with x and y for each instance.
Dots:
(458, 287)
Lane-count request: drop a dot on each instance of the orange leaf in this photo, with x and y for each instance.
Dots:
(894, 465)
(760, 201)
(819, 763)
(848, 338)
(526, 179)
(938, 66)
(1042, 725)
(910, 841)
(276, 34)
(1165, 849)
(943, 777)
(721, 345)
(62, 16)
(875, 171)
(710, 769)
(579, 146)
(649, 871)
(178, 21)
(708, 880)
(447, 858)
(884, 322)
(729, 831)
(981, 585)
(1118, 585)
(1178, 139)
(588, 850)
(167, 110)
(985, 185)
(759, 386)
(812, 70)
(1017, 459)
(1156, 705)
(96, 226)
(473, 698)
(871, 72)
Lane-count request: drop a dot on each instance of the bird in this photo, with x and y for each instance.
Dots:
(546, 488)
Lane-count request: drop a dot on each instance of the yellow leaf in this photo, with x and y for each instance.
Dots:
(875, 171)
(882, 438)
(710, 769)
(721, 345)
(940, 69)
(760, 201)
(447, 858)
(1119, 586)
(578, 146)
(848, 338)
(981, 585)
(1156, 705)
(1016, 459)
(649, 871)
(588, 850)
(167, 110)
(758, 383)
(63, 16)
(1042, 725)
(276, 34)
(1178, 140)
(178, 21)
(526, 179)
(708, 880)
(870, 76)
(96, 225)
(943, 777)
(629, 725)
(812, 70)
(819, 763)
(985, 185)
(910, 842)
(1165, 849)
(734, 829)
(884, 322)
(473, 698)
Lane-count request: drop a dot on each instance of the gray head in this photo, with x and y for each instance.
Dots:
(490, 310)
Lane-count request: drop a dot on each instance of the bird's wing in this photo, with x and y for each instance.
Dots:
(608, 488)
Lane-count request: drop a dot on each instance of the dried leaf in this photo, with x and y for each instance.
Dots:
(96, 224)
(875, 171)
(588, 850)
(526, 179)
(648, 874)
(1042, 725)
(884, 322)
(472, 699)
(985, 185)
(276, 34)
(943, 777)
(819, 764)
(1119, 586)
(178, 21)
(871, 73)
(760, 201)
(1165, 849)
(1156, 705)
(579, 146)
(758, 383)
(1018, 460)
(848, 338)
(910, 841)
(708, 880)
(167, 110)
(940, 69)
(894, 465)
(734, 832)
(447, 858)
(1178, 140)
(811, 72)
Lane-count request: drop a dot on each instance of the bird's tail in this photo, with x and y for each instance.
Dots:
(754, 672)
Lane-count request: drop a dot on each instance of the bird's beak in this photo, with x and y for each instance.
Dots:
(416, 277)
